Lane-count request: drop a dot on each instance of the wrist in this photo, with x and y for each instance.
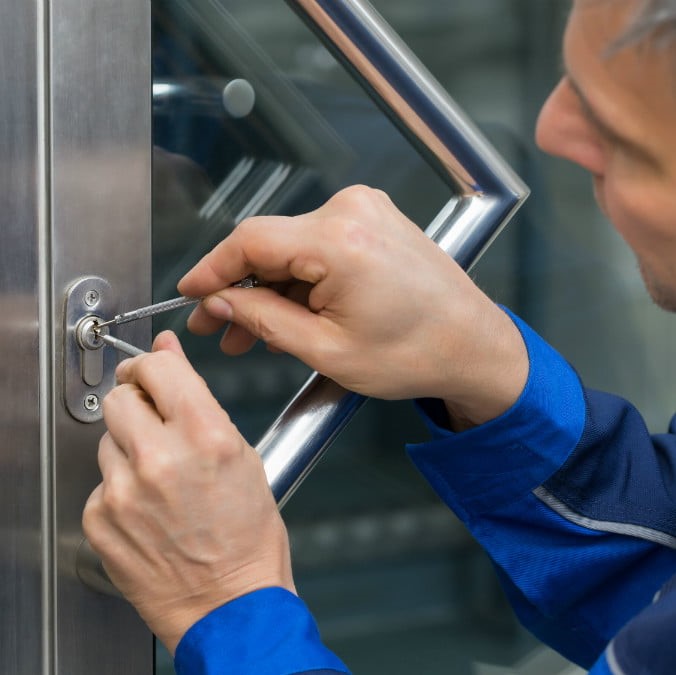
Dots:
(495, 375)
(172, 616)
(172, 626)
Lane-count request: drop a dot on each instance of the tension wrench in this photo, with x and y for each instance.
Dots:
(121, 345)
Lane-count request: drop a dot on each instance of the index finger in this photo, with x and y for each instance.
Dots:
(170, 381)
(275, 248)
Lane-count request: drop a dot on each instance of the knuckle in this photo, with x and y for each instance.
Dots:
(91, 516)
(219, 438)
(244, 228)
(259, 323)
(111, 400)
(162, 359)
(116, 500)
(246, 234)
(102, 447)
(361, 200)
(156, 468)
(330, 353)
(356, 197)
(192, 399)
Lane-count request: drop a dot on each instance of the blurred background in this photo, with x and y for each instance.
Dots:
(252, 116)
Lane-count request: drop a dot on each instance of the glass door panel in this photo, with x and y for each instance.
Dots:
(253, 115)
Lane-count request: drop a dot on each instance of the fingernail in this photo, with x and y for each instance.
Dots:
(219, 308)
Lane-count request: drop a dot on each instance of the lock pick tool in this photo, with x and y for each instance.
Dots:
(151, 310)
(167, 306)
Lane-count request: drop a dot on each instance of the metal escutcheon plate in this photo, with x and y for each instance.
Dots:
(87, 297)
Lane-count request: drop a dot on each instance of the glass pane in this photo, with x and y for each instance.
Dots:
(393, 579)
(220, 157)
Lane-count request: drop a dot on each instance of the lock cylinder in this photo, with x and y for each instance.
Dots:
(90, 342)
(86, 334)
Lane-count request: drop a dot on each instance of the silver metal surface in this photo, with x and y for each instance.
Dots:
(24, 523)
(99, 173)
(487, 194)
(90, 572)
(88, 369)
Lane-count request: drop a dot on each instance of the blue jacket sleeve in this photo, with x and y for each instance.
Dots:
(267, 632)
(571, 497)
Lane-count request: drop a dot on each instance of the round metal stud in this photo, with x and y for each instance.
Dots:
(92, 403)
(92, 298)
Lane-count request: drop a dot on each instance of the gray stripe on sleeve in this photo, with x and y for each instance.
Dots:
(627, 529)
(611, 658)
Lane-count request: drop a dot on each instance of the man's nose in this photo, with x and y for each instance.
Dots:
(564, 131)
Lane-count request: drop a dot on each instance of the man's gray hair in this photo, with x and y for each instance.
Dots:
(655, 21)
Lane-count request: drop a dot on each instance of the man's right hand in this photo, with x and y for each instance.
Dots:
(362, 295)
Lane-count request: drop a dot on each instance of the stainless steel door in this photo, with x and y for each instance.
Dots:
(75, 194)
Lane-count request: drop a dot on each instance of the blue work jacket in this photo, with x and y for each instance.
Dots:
(572, 498)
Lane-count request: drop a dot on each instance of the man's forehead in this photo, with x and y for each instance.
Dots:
(643, 22)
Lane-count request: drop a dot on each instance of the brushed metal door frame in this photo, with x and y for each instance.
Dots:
(75, 177)
(99, 174)
(24, 601)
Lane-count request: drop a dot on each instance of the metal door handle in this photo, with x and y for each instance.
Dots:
(488, 193)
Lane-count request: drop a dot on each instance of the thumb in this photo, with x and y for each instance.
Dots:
(281, 323)
(167, 340)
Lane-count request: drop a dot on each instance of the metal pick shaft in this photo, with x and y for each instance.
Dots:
(121, 345)
(150, 310)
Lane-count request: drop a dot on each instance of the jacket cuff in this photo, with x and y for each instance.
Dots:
(267, 632)
(478, 470)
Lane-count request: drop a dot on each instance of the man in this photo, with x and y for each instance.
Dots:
(571, 497)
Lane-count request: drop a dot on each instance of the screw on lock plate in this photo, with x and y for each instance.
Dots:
(89, 370)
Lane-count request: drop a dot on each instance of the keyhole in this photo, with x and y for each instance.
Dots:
(91, 356)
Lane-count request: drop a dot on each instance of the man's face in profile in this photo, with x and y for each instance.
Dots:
(613, 114)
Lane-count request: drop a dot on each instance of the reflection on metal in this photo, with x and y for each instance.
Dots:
(488, 193)
(213, 97)
(90, 571)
